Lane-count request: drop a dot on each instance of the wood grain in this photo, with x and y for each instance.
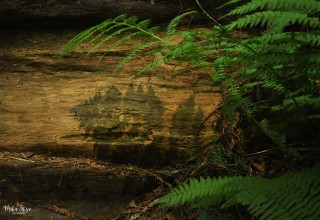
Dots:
(78, 106)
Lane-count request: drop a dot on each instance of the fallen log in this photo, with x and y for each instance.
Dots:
(57, 13)
(77, 106)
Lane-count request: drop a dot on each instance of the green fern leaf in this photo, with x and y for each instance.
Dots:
(275, 136)
(171, 29)
(134, 52)
(275, 20)
(228, 3)
(309, 6)
(108, 38)
(291, 196)
(104, 33)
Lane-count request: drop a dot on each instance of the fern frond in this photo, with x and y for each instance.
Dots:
(130, 27)
(111, 28)
(308, 6)
(120, 18)
(303, 101)
(235, 101)
(72, 44)
(103, 29)
(228, 3)
(276, 20)
(149, 67)
(306, 38)
(134, 52)
(291, 196)
(275, 136)
(197, 190)
(171, 29)
(116, 33)
(120, 41)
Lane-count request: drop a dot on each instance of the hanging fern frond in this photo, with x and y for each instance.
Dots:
(121, 27)
(120, 41)
(228, 3)
(72, 44)
(290, 196)
(308, 7)
(134, 52)
(150, 67)
(275, 20)
(171, 29)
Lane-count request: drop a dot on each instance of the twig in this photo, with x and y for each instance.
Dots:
(157, 177)
(238, 212)
(206, 13)
(16, 158)
(60, 178)
(275, 148)
(263, 151)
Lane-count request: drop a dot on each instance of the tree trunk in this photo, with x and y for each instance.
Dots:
(17, 13)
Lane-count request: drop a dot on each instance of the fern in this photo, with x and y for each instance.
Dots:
(275, 136)
(285, 63)
(134, 52)
(308, 7)
(121, 26)
(277, 14)
(171, 29)
(124, 28)
(290, 196)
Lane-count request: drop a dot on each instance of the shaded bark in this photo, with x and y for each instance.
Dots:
(17, 13)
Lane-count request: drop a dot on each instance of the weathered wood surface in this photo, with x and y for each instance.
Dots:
(79, 106)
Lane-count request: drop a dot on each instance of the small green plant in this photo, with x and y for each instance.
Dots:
(290, 196)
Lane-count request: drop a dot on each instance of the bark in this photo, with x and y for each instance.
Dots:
(17, 13)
